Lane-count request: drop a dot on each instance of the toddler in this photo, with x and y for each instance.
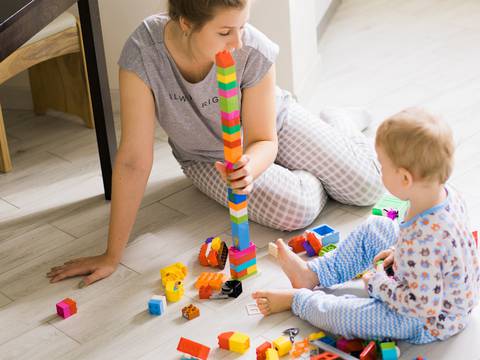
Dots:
(436, 271)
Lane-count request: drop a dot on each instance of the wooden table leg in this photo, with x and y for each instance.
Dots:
(99, 89)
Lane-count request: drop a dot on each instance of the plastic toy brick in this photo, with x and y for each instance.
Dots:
(350, 346)
(190, 312)
(244, 266)
(176, 271)
(157, 305)
(316, 336)
(331, 350)
(315, 241)
(309, 249)
(223, 340)
(234, 341)
(66, 308)
(205, 292)
(214, 280)
(389, 203)
(241, 235)
(327, 234)
(296, 243)
(369, 352)
(327, 249)
(174, 290)
(271, 354)
(232, 288)
(261, 351)
(299, 348)
(325, 356)
(224, 59)
(273, 249)
(193, 348)
(389, 351)
(328, 340)
(282, 345)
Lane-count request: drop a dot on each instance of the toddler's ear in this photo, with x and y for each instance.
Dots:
(407, 177)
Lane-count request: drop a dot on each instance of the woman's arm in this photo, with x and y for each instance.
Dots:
(130, 174)
(259, 133)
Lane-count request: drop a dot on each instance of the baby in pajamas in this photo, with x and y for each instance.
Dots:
(435, 260)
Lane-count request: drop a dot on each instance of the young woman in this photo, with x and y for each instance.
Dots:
(293, 160)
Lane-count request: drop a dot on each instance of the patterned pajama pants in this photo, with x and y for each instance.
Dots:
(352, 316)
(314, 161)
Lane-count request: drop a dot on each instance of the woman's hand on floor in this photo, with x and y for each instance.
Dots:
(240, 178)
(95, 267)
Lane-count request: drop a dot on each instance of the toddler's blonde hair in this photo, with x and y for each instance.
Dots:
(419, 142)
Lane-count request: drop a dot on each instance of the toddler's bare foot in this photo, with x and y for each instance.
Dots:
(274, 301)
(295, 267)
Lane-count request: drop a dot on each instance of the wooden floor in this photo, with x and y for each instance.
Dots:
(380, 54)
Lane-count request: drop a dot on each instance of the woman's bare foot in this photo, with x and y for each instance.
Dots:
(274, 301)
(295, 268)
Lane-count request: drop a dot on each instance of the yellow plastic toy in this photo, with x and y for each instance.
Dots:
(174, 290)
(271, 354)
(173, 272)
(283, 345)
(239, 342)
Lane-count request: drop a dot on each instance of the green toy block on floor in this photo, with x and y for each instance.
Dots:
(388, 204)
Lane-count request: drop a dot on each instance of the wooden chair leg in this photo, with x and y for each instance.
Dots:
(59, 84)
(5, 161)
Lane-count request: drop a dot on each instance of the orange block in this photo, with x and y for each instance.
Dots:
(214, 280)
(223, 338)
(232, 154)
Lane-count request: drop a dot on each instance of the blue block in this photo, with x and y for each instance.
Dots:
(235, 198)
(155, 307)
(245, 265)
(389, 354)
(309, 249)
(328, 234)
(241, 235)
(328, 340)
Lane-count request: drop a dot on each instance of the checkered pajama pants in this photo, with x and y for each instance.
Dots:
(314, 160)
(349, 315)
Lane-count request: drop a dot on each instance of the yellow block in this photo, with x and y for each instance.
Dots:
(283, 345)
(252, 269)
(271, 354)
(174, 290)
(226, 79)
(232, 137)
(239, 342)
(216, 242)
(173, 272)
(316, 336)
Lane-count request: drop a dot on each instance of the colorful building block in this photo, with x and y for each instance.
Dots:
(174, 290)
(66, 308)
(174, 272)
(271, 354)
(299, 348)
(389, 351)
(205, 292)
(316, 336)
(234, 341)
(214, 253)
(388, 204)
(326, 356)
(192, 348)
(349, 346)
(261, 351)
(242, 262)
(282, 345)
(327, 234)
(157, 305)
(190, 312)
(296, 243)
(369, 352)
(327, 249)
(214, 280)
(315, 241)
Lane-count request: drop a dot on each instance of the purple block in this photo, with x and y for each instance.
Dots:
(309, 249)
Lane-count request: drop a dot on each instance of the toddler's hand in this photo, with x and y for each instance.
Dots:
(366, 278)
(386, 256)
(240, 178)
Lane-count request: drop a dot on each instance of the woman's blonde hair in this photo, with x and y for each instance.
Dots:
(419, 142)
(199, 12)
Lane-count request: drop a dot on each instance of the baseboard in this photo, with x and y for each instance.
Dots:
(323, 24)
(20, 98)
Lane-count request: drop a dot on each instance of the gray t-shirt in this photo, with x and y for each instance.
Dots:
(190, 112)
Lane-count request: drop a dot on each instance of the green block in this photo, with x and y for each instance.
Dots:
(326, 249)
(229, 104)
(226, 71)
(239, 220)
(391, 202)
(231, 129)
(388, 345)
(228, 86)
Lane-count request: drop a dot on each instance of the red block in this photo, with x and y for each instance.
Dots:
(262, 349)
(223, 340)
(296, 243)
(314, 241)
(193, 348)
(349, 346)
(370, 352)
(224, 59)
(205, 292)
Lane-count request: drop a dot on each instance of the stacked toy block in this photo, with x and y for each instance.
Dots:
(66, 308)
(214, 253)
(172, 280)
(233, 150)
(234, 341)
(391, 207)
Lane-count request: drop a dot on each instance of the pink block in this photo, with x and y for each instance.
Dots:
(229, 165)
(228, 93)
(235, 253)
(63, 310)
(231, 115)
